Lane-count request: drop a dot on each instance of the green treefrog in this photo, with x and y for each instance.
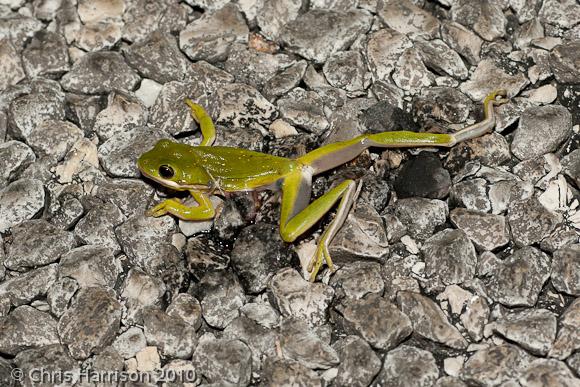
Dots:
(205, 169)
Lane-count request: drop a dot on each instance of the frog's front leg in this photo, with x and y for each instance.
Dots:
(205, 123)
(297, 215)
(203, 211)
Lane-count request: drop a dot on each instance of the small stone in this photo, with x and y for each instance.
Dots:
(97, 36)
(346, 70)
(298, 342)
(143, 17)
(568, 340)
(224, 361)
(187, 308)
(518, 279)
(450, 255)
(19, 201)
(275, 14)
(471, 194)
(140, 291)
(376, 320)
(98, 10)
(26, 327)
(119, 154)
(258, 338)
(257, 254)
(384, 48)
(566, 269)
(203, 255)
(486, 231)
(429, 320)
(561, 13)
(54, 138)
(97, 227)
(410, 73)
(46, 55)
(148, 92)
(148, 359)
(285, 372)
(487, 18)
(564, 62)
(100, 72)
(297, 297)
(54, 359)
(439, 57)
(421, 216)
(158, 58)
(462, 40)
(362, 236)
(11, 69)
(15, 156)
(170, 334)
(488, 77)
(495, 365)
(91, 266)
(423, 176)
(129, 195)
(408, 366)
(532, 329)
(28, 111)
(285, 80)
(130, 342)
(32, 285)
(281, 129)
(442, 104)
(81, 158)
(317, 34)
(60, 294)
(505, 192)
(552, 123)
(530, 222)
(491, 149)
(358, 362)
(571, 165)
(357, 279)
(210, 37)
(475, 317)
(407, 18)
(304, 109)
(221, 296)
(123, 112)
(91, 322)
(548, 372)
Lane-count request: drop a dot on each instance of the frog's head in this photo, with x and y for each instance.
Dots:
(173, 165)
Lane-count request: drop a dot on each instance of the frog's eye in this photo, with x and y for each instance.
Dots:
(166, 172)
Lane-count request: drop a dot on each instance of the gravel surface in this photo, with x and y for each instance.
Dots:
(459, 267)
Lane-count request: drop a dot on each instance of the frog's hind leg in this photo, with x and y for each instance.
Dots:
(205, 123)
(297, 216)
(332, 155)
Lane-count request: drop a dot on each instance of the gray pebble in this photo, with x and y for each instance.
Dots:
(316, 34)
(29, 111)
(97, 227)
(408, 18)
(518, 279)
(296, 297)
(15, 156)
(221, 297)
(551, 372)
(52, 358)
(60, 294)
(471, 194)
(285, 372)
(495, 365)
(530, 221)
(19, 201)
(170, 334)
(27, 287)
(304, 109)
(439, 57)
(130, 342)
(187, 308)
(346, 70)
(429, 321)
(91, 322)
(358, 362)
(357, 279)
(567, 341)
(462, 40)
(123, 112)
(421, 216)
(376, 320)
(408, 366)
(450, 255)
(552, 124)
(224, 361)
(54, 138)
(564, 61)
(487, 18)
(11, 69)
(46, 55)
(285, 80)
(140, 291)
(26, 327)
(100, 72)
(490, 76)
(486, 231)
(90, 265)
(566, 269)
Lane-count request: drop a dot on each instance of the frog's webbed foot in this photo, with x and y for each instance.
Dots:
(203, 211)
(163, 208)
(320, 256)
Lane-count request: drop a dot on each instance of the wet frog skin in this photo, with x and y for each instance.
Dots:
(204, 169)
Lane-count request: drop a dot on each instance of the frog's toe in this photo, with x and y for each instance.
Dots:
(318, 259)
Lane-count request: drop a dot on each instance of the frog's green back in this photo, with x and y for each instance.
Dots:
(241, 169)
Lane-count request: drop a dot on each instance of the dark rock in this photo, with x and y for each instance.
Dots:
(53, 359)
(304, 109)
(285, 372)
(140, 291)
(423, 176)
(407, 366)
(358, 362)
(486, 231)
(26, 327)
(22, 289)
(170, 334)
(357, 279)
(19, 201)
(564, 60)
(46, 55)
(224, 361)
(257, 254)
(566, 269)
(486, 18)
(530, 221)
(450, 255)
(421, 216)
(91, 265)
(495, 365)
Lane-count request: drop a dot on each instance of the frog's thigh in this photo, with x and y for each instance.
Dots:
(297, 216)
